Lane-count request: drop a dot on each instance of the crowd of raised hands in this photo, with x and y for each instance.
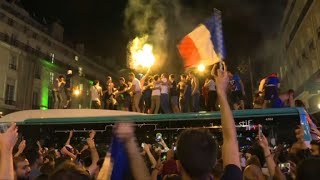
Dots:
(195, 155)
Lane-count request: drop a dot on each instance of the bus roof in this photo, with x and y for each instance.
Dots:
(82, 116)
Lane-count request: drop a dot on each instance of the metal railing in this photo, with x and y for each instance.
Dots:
(10, 102)
(12, 66)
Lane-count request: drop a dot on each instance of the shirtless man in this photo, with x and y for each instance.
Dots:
(57, 94)
(108, 93)
(182, 86)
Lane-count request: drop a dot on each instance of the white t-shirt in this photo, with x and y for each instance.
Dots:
(164, 86)
(96, 92)
(211, 85)
(136, 84)
(156, 92)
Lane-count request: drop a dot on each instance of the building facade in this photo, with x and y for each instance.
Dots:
(298, 56)
(32, 56)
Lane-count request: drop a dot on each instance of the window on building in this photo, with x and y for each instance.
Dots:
(13, 62)
(51, 77)
(10, 92)
(14, 37)
(37, 71)
(35, 100)
(80, 71)
(52, 57)
(318, 30)
(76, 58)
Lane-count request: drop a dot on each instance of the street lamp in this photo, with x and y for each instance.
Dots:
(201, 68)
(76, 92)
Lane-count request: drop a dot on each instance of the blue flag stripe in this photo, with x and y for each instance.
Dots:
(214, 25)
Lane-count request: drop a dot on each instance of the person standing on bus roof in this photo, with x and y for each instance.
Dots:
(272, 85)
(237, 91)
(195, 92)
(68, 89)
(108, 94)
(137, 92)
(284, 100)
(58, 84)
(96, 94)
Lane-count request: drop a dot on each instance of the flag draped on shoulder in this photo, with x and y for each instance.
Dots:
(205, 44)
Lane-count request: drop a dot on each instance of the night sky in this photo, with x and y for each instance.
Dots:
(100, 24)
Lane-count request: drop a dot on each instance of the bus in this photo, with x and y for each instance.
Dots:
(53, 125)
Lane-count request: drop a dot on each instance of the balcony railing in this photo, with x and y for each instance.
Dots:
(10, 102)
(13, 67)
(6, 38)
(35, 106)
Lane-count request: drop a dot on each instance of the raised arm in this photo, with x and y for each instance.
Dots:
(143, 79)
(207, 83)
(263, 142)
(94, 156)
(64, 151)
(7, 142)
(164, 145)
(125, 132)
(21, 148)
(105, 170)
(69, 138)
(153, 161)
(39, 146)
(230, 149)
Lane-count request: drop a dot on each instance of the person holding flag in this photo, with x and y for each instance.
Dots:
(125, 156)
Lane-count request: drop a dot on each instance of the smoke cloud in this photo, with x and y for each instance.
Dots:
(155, 19)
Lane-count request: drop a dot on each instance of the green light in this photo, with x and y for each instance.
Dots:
(45, 81)
(48, 64)
(44, 92)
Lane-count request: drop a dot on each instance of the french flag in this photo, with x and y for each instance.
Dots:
(205, 44)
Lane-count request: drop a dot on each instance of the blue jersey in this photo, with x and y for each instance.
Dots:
(273, 81)
(235, 83)
(277, 103)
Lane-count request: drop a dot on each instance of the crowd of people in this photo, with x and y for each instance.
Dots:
(154, 94)
(195, 155)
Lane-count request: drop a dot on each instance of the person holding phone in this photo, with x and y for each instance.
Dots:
(274, 170)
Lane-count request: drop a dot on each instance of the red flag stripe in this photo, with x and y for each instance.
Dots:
(189, 52)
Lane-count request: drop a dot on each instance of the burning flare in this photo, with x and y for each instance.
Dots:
(141, 53)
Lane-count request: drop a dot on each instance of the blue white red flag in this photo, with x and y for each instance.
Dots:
(205, 44)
